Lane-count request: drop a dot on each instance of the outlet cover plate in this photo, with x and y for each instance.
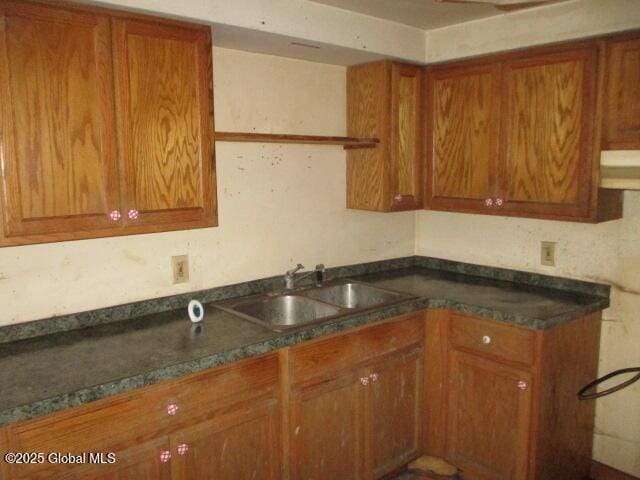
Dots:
(180, 267)
(548, 253)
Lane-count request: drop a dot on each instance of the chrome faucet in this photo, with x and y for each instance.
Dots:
(290, 277)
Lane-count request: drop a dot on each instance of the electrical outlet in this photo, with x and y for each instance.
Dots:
(180, 265)
(548, 253)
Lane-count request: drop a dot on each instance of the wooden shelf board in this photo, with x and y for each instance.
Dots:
(346, 142)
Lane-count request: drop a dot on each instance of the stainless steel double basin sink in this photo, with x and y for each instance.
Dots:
(306, 305)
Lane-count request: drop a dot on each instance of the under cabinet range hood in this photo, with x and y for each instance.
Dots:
(620, 169)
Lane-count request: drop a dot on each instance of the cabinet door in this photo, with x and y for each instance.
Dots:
(406, 150)
(548, 118)
(146, 461)
(57, 141)
(393, 415)
(488, 418)
(464, 128)
(368, 114)
(165, 114)
(241, 443)
(326, 430)
(622, 94)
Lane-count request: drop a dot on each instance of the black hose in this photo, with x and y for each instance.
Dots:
(582, 395)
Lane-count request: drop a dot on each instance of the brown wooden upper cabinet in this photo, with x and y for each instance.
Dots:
(516, 134)
(105, 126)
(384, 100)
(622, 98)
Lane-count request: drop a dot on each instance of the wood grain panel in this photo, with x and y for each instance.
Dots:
(464, 128)
(622, 109)
(504, 341)
(565, 424)
(139, 462)
(326, 438)
(368, 114)
(164, 102)
(489, 418)
(394, 412)
(565, 135)
(240, 443)
(324, 357)
(547, 123)
(57, 129)
(406, 149)
(436, 346)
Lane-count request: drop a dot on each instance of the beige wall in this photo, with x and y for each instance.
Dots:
(278, 205)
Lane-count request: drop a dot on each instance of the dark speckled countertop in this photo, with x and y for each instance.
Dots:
(51, 372)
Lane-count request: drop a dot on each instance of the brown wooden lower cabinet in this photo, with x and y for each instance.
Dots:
(489, 411)
(219, 423)
(326, 429)
(353, 401)
(501, 401)
(497, 400)
(241, 443)
(140, 462)
(357, 414)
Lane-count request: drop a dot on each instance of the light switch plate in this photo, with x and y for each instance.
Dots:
(180, 266)
(548, 253)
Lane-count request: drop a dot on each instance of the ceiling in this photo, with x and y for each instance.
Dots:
(424, 14)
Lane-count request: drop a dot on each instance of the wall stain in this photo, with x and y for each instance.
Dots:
(134, 258)
(613, 320)
(614, 285)
(617, 437)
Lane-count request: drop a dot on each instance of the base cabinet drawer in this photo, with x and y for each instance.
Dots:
(490, 338)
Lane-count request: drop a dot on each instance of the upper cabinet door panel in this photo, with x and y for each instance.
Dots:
(57, 124)
(368, 114)
(548, 140)
(464, 128)
(406, 137)
(165, 114)
(622, 107)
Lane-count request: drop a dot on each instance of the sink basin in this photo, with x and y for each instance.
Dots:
(285, 310)
(290, 309)
(354, 295)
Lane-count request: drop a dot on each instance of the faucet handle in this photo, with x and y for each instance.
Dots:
(294, 270)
